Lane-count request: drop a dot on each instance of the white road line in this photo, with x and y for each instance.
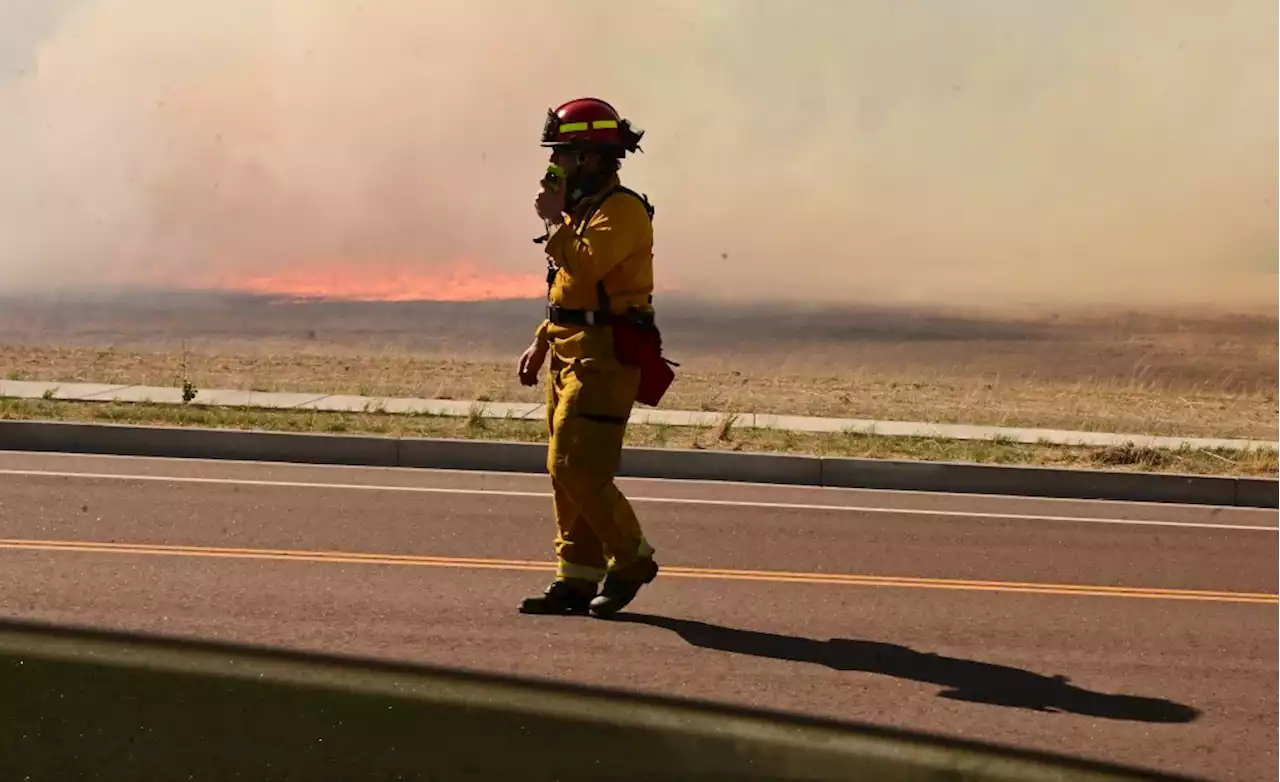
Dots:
(125, 459)
(665, 500)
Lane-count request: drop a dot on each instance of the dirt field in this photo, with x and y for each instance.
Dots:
(1153, 373)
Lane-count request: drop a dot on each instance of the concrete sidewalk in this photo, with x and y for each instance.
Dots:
(101, 392)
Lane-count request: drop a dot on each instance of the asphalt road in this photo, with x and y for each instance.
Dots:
(946, 613)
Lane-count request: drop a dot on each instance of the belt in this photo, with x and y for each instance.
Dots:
(559, 316)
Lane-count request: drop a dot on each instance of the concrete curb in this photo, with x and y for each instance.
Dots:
(235, 444)
(527, 411)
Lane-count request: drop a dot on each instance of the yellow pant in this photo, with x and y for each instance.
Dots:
(587, 410)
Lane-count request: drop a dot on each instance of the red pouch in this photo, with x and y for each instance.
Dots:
(656, 377)
(641, 346)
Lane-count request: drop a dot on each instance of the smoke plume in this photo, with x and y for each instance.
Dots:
(975, 151)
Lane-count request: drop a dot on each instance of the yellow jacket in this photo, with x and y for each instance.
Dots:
(615, 247)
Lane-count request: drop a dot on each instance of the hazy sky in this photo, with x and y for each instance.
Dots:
(959, 151)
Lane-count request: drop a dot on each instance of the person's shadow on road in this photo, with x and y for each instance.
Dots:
(962, 680)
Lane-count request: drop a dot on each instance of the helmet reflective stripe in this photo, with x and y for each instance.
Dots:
(600, 124)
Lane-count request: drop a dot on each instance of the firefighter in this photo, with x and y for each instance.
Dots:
(599, 247)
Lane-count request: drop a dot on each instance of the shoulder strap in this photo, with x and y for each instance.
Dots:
(644, 199)
(595, 207)
(602, 295)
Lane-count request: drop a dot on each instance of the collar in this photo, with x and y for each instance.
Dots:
(593, 202)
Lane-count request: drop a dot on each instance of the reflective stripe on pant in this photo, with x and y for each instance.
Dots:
(587, 411)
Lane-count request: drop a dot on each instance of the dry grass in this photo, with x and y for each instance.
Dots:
(1091, 405)
(722, 436)
(1173, 373)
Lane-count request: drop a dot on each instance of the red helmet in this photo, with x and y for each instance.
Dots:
(589, 122)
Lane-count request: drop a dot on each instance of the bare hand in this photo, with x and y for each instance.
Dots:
(531, 363)
(550, 205)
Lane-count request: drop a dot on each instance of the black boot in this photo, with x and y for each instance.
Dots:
(620, 587)
(562, 598)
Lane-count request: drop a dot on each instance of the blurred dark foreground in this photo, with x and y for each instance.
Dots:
(80, 704)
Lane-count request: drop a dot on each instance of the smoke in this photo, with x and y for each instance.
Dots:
(976, 151)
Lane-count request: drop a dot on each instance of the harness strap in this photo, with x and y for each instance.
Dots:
(565, 317)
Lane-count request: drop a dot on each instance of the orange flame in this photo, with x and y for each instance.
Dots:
(464, 281)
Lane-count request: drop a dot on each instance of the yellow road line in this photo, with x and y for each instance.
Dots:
(348, 557)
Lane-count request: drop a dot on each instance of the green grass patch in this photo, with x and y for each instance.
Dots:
(725, 436)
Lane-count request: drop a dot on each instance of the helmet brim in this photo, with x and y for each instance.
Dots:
(603, 146)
